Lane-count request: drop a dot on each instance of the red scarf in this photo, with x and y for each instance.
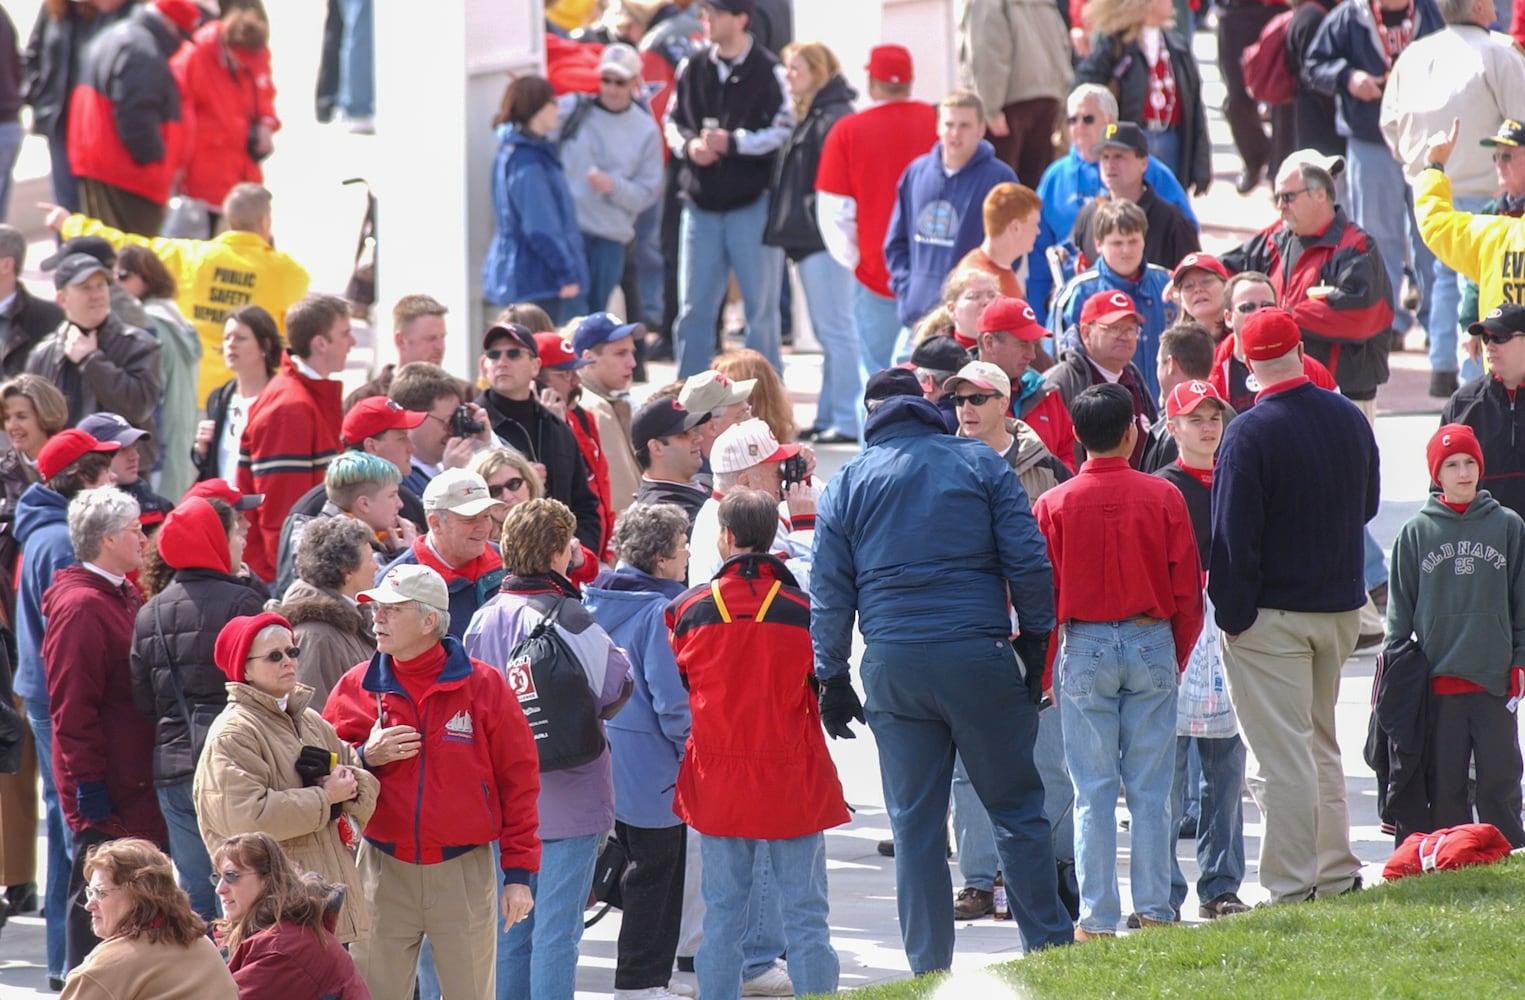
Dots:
(474, 570)
(1163, 106)
(1394, 38)
(1203, 476)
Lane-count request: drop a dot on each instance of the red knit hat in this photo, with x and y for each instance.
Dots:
(193, 538)
(1269, 334)
(231, 652)
(1452, 439)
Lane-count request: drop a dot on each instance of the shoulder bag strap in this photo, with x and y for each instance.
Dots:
(174, 672)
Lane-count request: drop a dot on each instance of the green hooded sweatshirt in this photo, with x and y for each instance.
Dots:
(1457, 584)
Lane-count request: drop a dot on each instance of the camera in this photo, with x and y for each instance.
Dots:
(793, 470)
(462, 424)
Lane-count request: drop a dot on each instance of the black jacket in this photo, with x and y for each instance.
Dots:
(217, 412)
(1498, 420)
(539, 435)
(1313, 111)
(1170, 235)
(689, 498)
(122, 377)
(1123, 67)
(752, 98)
(193, 608)
(29, 322)
(53, 62)
(791, 211)
(1398, 739)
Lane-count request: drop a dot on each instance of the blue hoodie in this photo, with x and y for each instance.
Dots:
(646, 738)
(938, 218)
(1148, 294)
(536, 247)
(42, 527)
(922, 535)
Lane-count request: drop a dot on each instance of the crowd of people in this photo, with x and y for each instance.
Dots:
(367, 691)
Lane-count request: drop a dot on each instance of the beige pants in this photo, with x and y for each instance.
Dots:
(1284, 679)
(454, 902)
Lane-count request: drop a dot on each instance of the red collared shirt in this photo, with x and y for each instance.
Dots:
(1122, 546)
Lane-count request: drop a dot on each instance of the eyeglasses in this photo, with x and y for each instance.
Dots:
(613, 81)
(277, 655)
(1081, 120)
(1503, 157)
(511, 353)
(978, 399)
(1288, 197)
(95, 895)
(230, 877)
(1118, 329)
(1245, 308)
(502, 490)
(1489, 337)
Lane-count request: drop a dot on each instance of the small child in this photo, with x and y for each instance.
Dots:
(1456, 585)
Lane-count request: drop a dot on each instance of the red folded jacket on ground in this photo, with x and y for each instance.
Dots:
(1453, 847)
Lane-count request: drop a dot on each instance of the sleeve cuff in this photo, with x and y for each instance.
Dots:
(516, 876)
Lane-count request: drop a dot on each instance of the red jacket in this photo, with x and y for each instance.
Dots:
(1234, 389)
(755, 763)
(1045, 413)
(290, 962)
(224, 95)
(476, 778)
(97, 733)
(585, 430)
(125, 123)
(291, 436)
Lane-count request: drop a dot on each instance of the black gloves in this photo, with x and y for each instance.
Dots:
(1032, 647)
(839, 705)
(93, 801)
(314, 763)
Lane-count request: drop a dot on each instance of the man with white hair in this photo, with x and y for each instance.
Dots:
(747, 456)
(1075, 179)
(438, 729)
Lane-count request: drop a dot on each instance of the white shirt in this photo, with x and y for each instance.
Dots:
(116, 581)
(233, 435)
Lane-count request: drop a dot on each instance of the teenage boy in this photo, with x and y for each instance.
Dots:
(609, 345)
(1126, 637)
(1195, 414)
(1456, 585)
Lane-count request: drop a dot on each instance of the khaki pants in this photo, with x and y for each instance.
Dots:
(1284, 679)
(454, 902)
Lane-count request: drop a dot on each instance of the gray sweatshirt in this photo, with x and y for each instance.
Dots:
(628, 147)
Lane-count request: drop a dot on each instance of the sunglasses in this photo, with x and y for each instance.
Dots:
(511, 353)
(277, 655)
(217, 878)
(1081, 120)
(978, 399)
(1288, 197)
(1245, 308)
(1489, 337)
(502, 490)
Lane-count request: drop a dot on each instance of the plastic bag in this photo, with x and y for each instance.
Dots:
(186, 218)
(1202, 703)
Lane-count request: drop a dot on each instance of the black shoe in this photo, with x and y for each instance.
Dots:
(833, 437)
(56, 984)
(21, 899)
(1356, 886)
(1249, 179)
(1225, 905)
(685, 963)
(1188, 830)
(887, 848)
(1443, 384)
(659, 349)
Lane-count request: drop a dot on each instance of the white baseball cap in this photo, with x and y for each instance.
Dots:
(410, 582)
(460, 491)
(709, 391)
(741, 446)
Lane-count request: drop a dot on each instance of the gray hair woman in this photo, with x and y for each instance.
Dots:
(334, 564)
(646, 738)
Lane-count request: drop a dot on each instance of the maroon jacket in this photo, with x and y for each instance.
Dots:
(290, 962)
(97, 733)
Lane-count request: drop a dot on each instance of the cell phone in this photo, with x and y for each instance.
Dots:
(793, 470)
(462, 424)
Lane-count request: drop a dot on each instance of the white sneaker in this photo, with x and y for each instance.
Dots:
(651, 993)
(682, 989)
(773, 983)
(364, 125)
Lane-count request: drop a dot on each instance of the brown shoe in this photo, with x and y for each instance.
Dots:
(1082, 935)
(972, 903)
(1151, 922)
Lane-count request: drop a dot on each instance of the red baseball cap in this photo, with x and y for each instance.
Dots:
(890, 64)
(1108, 307)
(376, 415)
(1268, 334)
(1189, 395)
(67, 447)
(556, 352)
(1013, 316)
(221, 489)
(1198, 262)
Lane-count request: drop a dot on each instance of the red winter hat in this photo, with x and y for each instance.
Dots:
(193, 538)
(183, 14)
(1452, 439)
(231, 652)
(1269, 334)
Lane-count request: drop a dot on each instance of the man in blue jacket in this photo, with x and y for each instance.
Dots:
(938, 217)
(940, 675)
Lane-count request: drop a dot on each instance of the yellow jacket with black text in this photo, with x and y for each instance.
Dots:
(1489, 249)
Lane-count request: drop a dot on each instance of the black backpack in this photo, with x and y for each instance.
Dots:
(552, 688)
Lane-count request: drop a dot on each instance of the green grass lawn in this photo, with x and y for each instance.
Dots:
(1442, 935)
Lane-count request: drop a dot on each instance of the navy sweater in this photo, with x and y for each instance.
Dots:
(1296, 481)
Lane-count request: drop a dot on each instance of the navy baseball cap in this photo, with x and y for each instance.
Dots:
(602, 328)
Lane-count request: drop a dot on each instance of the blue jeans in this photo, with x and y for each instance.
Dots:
(1375, 569)
(55, 899)
(926, 700)
(649, 264)
(65, 184)
(1166, 147)
(188, 850)
(1220, 828)
(11, 135)
(560, 310)
(711, 246)
(357, 60)
(606, 263)
(428, 979)
(799, 874)
(1117, 689)
(878, 321)
(1058, 792)
(972, 832)
(537, 957)
(1381, 204)
(1445, 302)
(829, 297)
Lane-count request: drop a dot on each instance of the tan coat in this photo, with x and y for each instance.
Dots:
(1013, 50)
(332, 632)
(246, 782)
(613, 416)
(124, 967)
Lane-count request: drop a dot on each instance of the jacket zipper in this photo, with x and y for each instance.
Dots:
(418, 805)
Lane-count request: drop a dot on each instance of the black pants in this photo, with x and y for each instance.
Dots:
(1477, 728)
(652, 890)
(326, 96)
(79, 939)
(1239, 26)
